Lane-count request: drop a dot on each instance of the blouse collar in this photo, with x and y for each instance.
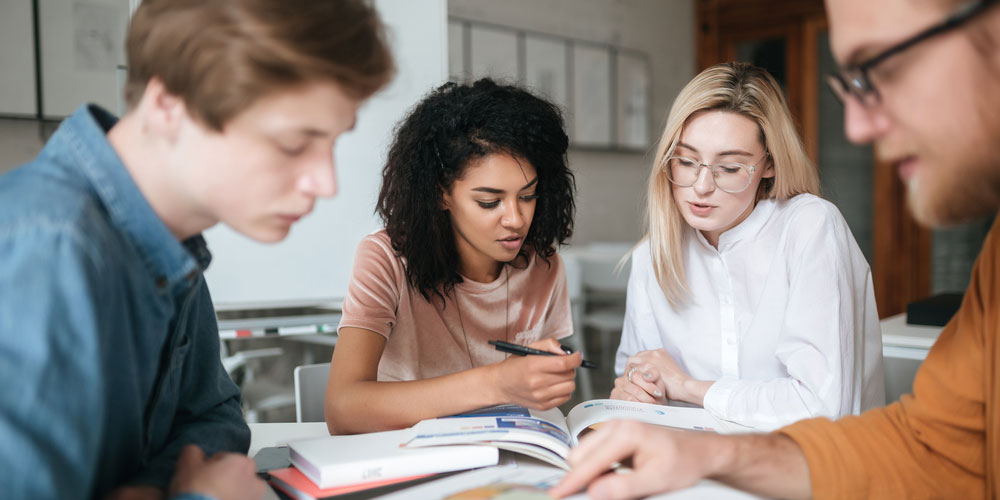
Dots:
(748, 228)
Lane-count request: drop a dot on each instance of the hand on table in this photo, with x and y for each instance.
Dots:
(643, 387)
(662, 459)
(224, 476)
(656, 378)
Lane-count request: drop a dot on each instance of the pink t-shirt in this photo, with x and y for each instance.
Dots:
(427, 340)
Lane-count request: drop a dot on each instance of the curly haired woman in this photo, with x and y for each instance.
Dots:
(475, 196)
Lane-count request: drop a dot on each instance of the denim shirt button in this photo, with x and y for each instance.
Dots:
(192, 275)
(161, 281)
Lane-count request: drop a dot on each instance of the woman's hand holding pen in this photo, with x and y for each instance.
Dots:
(537, 382)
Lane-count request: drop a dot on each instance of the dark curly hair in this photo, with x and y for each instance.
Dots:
(449, 129)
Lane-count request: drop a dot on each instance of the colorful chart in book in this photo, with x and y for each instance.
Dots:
(502, 492)
(525, 481)
(507, 410)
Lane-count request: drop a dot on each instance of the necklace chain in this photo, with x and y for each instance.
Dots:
(506, 316)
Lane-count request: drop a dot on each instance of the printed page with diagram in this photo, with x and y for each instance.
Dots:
(547, 435)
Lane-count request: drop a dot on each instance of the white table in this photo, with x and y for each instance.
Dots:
(904, 348)
(903, 340)
(278, 434)
(265, 435)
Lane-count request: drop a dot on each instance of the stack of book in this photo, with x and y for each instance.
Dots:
(336, 465)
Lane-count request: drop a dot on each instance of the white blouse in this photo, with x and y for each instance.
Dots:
(782, 317)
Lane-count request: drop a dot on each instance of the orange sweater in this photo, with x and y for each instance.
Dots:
(940, 442)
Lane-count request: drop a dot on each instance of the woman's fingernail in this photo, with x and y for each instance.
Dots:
(647, 375)
(658, 394)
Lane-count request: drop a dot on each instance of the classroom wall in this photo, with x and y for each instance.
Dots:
(611, 185)
(20, 141)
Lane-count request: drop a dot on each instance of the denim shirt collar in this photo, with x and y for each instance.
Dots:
(172, 263)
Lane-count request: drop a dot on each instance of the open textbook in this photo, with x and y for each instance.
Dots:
(547, 435)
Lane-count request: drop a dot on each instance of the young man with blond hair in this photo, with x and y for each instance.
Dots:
(108, 340)
(921, 80)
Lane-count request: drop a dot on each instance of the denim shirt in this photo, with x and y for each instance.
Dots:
(109, 347)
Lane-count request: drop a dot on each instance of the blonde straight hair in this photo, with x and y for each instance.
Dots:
(738, 88)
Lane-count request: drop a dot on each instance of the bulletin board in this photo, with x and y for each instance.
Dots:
(604, 91)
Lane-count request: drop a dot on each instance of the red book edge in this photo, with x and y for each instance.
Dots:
(290, 477)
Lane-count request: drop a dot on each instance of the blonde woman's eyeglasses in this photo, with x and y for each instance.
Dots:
(729, 177)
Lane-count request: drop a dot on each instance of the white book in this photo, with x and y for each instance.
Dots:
(547, 435)
(340, 460)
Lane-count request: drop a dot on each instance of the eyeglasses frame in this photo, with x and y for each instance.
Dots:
(711, 168)
(854, 80)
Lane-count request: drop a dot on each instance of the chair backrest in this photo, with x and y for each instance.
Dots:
(599, 267)
(310, 391)
(574, 275)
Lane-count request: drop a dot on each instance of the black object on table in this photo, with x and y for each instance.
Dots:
(933, 311)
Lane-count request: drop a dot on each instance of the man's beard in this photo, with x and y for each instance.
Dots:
(968, 186)
(970, 193)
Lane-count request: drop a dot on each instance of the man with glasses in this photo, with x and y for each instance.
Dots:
(921, 80)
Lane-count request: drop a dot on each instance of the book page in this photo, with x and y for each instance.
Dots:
(591, 412)
(524, 481)
(541, 434)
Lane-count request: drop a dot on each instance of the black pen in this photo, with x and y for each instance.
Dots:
(521, 350)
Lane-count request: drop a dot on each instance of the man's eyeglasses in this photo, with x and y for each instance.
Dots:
(729, 177)
(856, 81)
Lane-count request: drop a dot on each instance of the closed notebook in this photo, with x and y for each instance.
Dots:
(294, 484)
(340, 460)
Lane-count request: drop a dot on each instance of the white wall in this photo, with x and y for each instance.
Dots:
(611, 185)
(20, 142)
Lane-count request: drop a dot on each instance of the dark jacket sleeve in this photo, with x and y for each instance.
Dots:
(206, 407)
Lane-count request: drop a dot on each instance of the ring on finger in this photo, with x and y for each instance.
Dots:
(630, 372)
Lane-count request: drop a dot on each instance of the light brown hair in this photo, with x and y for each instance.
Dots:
(220, 56)
(737, 88)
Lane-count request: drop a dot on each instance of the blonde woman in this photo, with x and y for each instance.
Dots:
(748, 294)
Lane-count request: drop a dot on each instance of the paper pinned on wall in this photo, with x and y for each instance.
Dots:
(457, 72)
(592, 106)
(97, 36)
(634, 92)
(494, 53)
(545, 68)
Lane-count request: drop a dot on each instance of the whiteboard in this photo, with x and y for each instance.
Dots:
(313, 265)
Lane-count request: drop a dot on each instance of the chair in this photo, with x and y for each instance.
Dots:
(600, 306)
(577, 341)
(258, 395)
(310, 392)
